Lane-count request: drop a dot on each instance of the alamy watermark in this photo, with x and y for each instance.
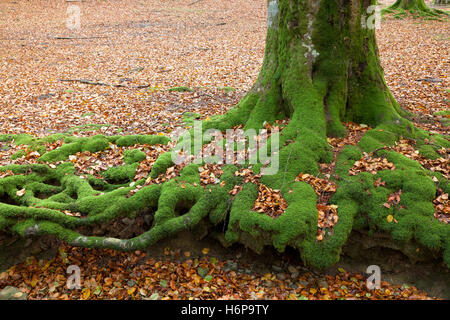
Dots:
(370, 20)
(74, 280)
(73, 21)
(373, 18)
(374, 280)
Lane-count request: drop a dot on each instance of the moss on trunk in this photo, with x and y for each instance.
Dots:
(321, 67)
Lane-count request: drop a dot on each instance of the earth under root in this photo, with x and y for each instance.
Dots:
(56, 187)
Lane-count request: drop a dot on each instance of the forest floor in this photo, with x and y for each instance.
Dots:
(113, 77)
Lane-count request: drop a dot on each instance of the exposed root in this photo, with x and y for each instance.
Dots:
(417, 8)
(50, 199)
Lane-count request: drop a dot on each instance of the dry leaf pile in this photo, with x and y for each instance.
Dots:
(327, 213)
(30, 156)
(372, 165)
(134, 54)
(210, 174)
(442, 205)
(87, 163)
(354, 134)
(414, 56)
(269, 202)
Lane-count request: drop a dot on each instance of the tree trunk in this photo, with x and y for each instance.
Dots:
(416, 5)
(321, 67)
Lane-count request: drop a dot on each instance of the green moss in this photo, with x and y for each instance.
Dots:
(22, 139)
(87, 114)
(293, 160)
(402, 162)
(346, 159)
(227, 89)
(95, 144)
(18, 154)
(190, 117)
(441, 141)
(121, 174)
(360, 203)
(417, 8)
(190, 174)
(236, 116)
(6, 137)
(327, 252)
(443, 113)
(74, 145)
(318, 76)
(133, 155)
(257, 230)
(62, 153)
(161, 164)
(34, 144)
(127, 141)
(428, 152)
(181, 89)
(377, 138)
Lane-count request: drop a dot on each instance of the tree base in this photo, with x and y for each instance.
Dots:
(36, 199)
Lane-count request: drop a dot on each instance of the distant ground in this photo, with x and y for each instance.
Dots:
(148, 44)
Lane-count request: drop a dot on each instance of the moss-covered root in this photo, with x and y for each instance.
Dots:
(321, 67)
(167, 222)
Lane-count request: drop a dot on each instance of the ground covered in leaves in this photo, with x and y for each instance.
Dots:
(109, 274)
(149, 68)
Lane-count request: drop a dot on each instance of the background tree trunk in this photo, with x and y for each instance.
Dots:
(410, 5)
(417, 6)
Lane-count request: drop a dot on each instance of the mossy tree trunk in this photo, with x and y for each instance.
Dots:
(410, 5)
(321, 67)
